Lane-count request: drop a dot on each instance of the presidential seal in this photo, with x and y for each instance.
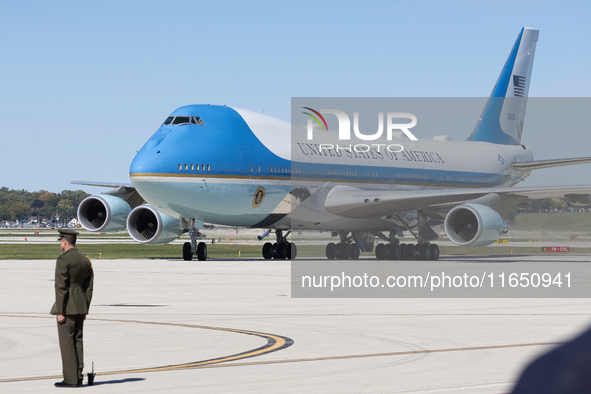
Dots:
(258, 198)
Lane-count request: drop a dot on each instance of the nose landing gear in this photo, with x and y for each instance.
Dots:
(194, 248)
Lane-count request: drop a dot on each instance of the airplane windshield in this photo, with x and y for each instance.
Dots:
(182, 120)
(197, 120)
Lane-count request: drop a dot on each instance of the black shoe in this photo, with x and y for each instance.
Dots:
(64, 384)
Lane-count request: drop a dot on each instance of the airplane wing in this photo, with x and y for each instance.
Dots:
(103, 184)
(124, 190)
(356, 203)
(535, 165)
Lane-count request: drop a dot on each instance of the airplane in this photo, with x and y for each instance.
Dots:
(229, 166)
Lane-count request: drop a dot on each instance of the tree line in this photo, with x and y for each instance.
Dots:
(22, 204)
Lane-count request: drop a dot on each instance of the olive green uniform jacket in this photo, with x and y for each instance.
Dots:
(74, 280)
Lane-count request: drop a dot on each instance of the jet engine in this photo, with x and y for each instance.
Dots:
(103, 213)
(147, 225)
(474, 224)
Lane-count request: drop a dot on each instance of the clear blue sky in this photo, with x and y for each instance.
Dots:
(84, 84)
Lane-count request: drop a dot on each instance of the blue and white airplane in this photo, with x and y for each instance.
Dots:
(229, 166)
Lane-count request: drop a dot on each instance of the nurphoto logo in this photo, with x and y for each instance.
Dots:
(345, 129)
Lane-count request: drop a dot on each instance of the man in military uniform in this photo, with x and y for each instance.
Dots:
(73, 292)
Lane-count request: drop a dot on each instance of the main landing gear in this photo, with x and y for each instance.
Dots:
(352, 244)
(398, 251)
(346, 249)
(194, 248)
(424, 250)
(281, 249)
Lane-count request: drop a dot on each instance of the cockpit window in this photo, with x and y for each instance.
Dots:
(197, 120)
(181, 120)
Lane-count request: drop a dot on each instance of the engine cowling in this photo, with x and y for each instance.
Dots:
(147, 225)
(103, 213)
(474, 224)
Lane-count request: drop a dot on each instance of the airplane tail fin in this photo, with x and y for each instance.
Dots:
(502, 119)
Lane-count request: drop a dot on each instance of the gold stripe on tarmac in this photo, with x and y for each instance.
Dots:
(274, 343)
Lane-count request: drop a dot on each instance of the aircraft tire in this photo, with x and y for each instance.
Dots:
(338, 251)
(395, 251)
(187, 255)
(283, 251)
(409, 252)
(380, 251)
(348, 251)
(202, 251)
(267, 254)
(293, 251)
(425, 252)
(278, 251)
(434, 252)
(355, 251)
(331, 251)
(402, 251)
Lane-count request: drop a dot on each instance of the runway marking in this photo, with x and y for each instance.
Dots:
(274, 343)
(402, 353)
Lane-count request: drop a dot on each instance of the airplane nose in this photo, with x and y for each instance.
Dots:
(145, 171)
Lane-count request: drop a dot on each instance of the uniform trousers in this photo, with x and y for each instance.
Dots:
(70, 337)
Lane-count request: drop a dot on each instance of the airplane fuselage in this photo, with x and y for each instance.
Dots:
(240, 168)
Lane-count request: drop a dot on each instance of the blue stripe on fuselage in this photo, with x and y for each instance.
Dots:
(226, 144)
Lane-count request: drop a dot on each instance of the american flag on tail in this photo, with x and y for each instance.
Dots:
(518, 86)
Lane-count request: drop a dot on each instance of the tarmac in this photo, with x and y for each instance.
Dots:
(232, 326)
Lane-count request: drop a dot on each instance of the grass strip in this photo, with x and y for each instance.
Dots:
(139, 251)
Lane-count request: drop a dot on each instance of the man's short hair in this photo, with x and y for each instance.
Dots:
(69, 239)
